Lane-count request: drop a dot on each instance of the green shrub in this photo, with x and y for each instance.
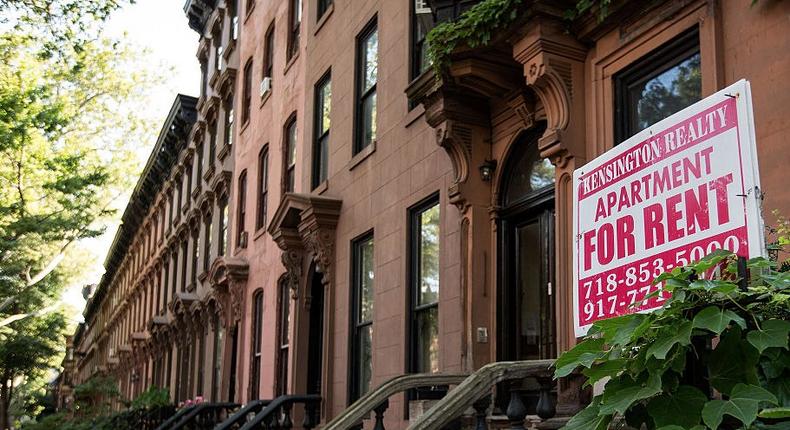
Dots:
(737, 337)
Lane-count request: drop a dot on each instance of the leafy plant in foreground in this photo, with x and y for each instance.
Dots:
(714, 357)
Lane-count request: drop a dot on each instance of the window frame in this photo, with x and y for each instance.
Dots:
(416, 46)
(256, 349)
(224, 227)
(241, 210)
(283, 337)
(246, 94)
(207, 232)
(288, 180)
(413, 276)
(361, 95)
(355, 325)
(650, 65)
(323, 7)
(263, 188)
(320, 169)
(294, 28)
(229, 120)
(268, 53)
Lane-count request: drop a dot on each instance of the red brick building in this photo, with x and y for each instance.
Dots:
(342, 217)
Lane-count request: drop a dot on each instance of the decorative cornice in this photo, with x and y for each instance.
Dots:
(305, 222)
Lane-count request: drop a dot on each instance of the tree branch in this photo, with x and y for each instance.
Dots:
(10, 319)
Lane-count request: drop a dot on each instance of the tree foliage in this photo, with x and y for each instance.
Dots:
(738, 337)
(71, 117)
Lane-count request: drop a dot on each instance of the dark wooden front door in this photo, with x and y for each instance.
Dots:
(315, 349)
(526, 305)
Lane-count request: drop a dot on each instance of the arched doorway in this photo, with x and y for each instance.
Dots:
(526, 320)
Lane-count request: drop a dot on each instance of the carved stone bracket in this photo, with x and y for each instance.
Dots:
(229, 278)
(305, 223)
(292, 261)
(553, 65)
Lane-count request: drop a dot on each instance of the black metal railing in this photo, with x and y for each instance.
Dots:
(205, 416)
(279, 412)
(168, 424)
(141, 418)
(154, 417)
(243, 415)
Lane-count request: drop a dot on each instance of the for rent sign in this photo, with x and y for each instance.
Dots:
(684, 187)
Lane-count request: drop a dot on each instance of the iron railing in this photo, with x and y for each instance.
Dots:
(277, 414)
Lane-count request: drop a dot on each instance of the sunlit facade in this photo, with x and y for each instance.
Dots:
(327, 215)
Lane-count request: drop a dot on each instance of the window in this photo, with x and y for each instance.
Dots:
(207, 242)
(174, 266)
(268, 53)
(219, 337)
(246, 92)
(188, 174)
(323, 104)
(201, 361)
(289, 155)
(284, 319)
(294, 22)
(212, 146)
(424, 273)
(229, 120)
(257, 335)
(242, 213)
(367, 76)
(263, 187)
(234, 19)
(203, 77)
(184, 261)
(217, 50)
(323, 6)
(658, 85)
(362, 294)
(165, 285)
(222, 244)
(199, 166)
(195, 253)
(421, 24)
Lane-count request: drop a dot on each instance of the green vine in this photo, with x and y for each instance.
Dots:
(473, 28)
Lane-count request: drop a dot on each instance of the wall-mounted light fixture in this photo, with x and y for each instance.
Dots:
(487, 170)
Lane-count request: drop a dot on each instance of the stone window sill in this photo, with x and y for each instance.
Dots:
(362, 155)
(324, 18)
(290, 63)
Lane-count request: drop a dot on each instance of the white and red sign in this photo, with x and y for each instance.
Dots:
(671, 194)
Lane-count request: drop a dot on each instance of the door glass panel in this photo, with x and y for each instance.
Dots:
(529, 289)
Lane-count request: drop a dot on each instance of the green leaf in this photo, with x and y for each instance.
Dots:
(753, 392)
(773, 334)
(714, 411)
(589, 419)
(681, 408)
(775, 413)
(779, 281)
(607, 368)
(722, 287)
(733, 361)
(711, 260)
(668, 337)
(583, 354)
(716, 319)
(620, 330)
(760, 263)
(743, 405)
(621, 393)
